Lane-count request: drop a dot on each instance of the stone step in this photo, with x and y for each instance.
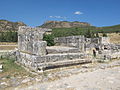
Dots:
(60, 57)
(51, 65)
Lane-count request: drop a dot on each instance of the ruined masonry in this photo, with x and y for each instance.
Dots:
(34, 54)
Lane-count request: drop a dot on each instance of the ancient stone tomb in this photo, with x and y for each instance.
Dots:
(34, 54)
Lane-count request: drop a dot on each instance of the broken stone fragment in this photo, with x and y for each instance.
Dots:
(1, 67)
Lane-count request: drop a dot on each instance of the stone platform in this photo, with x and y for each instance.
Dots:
(36, 63)
(61, 49)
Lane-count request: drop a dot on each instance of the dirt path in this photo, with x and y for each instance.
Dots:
(101, 79)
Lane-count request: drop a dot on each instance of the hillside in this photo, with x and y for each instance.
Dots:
(6, 25)
(64, 24)
(114, 28)
(84, 30)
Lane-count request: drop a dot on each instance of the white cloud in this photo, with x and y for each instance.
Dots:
(78, 13)
(51, 16)
(59, 17)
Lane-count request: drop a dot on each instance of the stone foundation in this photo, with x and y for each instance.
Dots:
(34, 61)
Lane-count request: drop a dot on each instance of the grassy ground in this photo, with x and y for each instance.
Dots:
(11, 69)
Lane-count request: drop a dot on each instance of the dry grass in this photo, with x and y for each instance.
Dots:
(8, 47)
(8, 43)
(114, 38)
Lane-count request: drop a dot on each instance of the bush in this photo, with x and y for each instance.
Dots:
(50, 39)
(104, 34)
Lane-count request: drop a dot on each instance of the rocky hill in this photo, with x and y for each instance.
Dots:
(6, 25)
(64, 24)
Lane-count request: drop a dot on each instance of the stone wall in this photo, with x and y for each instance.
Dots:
(101, 45)
(104, 40)
(34, 61)
(30, 40)
(71, 41)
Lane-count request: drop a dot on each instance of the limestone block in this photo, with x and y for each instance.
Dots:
(81, 47)
(71, 41)
(104, 40)
(29, 47)
(1, 66)
(39, 47)
(20, 41)
(37, 36)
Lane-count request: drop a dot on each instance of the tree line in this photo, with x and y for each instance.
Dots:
(8, 36)
(91, 32)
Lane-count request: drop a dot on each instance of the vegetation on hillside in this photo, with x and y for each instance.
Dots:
(8, 36)
(87, 31)
(90, 32)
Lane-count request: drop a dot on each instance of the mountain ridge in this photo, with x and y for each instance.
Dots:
(64, 24)
(6, 25)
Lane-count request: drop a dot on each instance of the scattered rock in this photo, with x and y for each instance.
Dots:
(3, 83)
(26, 80)
(86, 66)
(111, 82)
(1, 70)
(1, 67)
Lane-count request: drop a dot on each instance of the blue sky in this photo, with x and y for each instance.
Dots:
(36, 12)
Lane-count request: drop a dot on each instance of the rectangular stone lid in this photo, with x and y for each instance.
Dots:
(61, 49)
(24, 29)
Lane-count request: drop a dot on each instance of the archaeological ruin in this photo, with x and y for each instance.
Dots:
(34, 54)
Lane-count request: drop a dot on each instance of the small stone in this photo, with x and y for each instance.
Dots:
(85, 66)
(1, 70)
(3, 83)
(111, 82)
(26, 80)
(1, 66)
(40, 71)
(37, 79)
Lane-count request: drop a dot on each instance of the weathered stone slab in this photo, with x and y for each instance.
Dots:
(61, 49)
(33, 61)
(39, 48)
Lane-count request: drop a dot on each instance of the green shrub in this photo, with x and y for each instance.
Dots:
(104, 34)
(50, 39)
